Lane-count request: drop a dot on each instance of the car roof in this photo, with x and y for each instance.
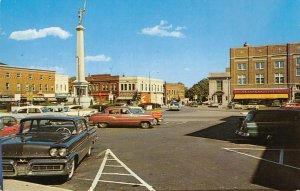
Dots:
(52, 117)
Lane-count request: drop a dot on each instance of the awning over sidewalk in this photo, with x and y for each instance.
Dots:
(261, 96)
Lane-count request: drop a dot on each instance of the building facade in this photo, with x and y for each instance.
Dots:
(61, 87)
(219, 88)
(264, 74)
(27, 85)
(103, 87)
(174, 91)
(141, 89)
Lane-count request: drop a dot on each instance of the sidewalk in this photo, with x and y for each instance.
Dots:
(15, 185)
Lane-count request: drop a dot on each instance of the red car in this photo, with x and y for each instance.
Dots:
(292, 105)
(8, 125)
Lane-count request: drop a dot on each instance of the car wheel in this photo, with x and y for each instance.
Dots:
(145, 125)
(70, 170)
(155, 122)
(89, 151)
(102, 125)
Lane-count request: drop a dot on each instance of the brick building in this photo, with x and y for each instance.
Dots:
(103, 87)
(263, 74)
(26, 85)
(174, 91)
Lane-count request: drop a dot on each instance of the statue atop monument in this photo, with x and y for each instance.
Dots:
(81, 13)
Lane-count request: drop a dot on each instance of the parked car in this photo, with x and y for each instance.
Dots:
(158, 116)
(78, 110)
(279, 124)
(174, 106)
(47, 145)
(26, 111)
(8, 125)
(121, 116)
(291, 106)
(194, 104)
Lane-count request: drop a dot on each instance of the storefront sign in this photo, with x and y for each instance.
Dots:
(270, 91)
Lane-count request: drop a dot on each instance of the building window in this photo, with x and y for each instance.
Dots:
(122, 86)
(219, 85)
(46, 87)
(279, 64)
(297, 87)
(260, 79)
(125, 86)
(279, 78)
(52, 88)
(30, 76)
(241, 79)
(33, 87)
(18, 75)
(241, 66)
(65, 87)
(297, 71)
(133, 86)
(41, 77)
(41, 87)
(7, 75)
(106, 87)
(18, 87)
(7, 86)
(298, 61)
(50, 78)
(259, 65)
(27, 87)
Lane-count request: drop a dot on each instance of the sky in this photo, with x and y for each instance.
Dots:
(174, 40)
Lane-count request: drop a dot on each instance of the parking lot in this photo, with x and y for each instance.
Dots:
(193, 149)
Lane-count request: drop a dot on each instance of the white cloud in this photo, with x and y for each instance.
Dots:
(32, 34)
(58, 69)
(164, 30)
(98, 58)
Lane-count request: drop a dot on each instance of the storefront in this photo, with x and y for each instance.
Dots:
(261, 97)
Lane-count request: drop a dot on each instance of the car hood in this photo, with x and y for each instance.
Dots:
(31, 144)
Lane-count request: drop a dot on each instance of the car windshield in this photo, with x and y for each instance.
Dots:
(44, 109)
(46, 125)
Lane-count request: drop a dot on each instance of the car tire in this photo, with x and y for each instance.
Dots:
(102, 125)
(145, 125)
(71, 171)
(89, 153)
(155, 122)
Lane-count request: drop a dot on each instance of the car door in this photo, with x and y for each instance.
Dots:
(82, 138)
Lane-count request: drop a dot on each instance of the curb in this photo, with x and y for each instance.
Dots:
(15, 185)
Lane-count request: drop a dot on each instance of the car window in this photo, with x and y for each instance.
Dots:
(114, 111)
(9, 121)
(125, 111)
(34, 110)
(22, 111)
(136, 110)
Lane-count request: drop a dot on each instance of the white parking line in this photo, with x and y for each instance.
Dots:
(259, 158)
(103, 164)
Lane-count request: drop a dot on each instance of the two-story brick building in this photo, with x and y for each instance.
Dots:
(25, 84)
(263, 74)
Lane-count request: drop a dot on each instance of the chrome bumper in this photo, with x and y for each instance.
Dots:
(35, 167)
(243, 134)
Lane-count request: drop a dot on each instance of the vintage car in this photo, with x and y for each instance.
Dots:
(121, 116)
(8, 125)
(78, 110)
(158, 117)
(26, 111)
(279, 125)
(47, 145)
(174, 106)
(291, 106)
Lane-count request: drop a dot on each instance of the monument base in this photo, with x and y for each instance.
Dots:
(85, 101)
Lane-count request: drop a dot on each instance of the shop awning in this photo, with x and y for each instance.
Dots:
(125, 98)
(38, 99)
(261, 96)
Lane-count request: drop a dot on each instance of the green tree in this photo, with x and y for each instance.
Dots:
(201, 89)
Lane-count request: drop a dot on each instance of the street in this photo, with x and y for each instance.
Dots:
(192, 149)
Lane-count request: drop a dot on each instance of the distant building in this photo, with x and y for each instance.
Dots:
(61, 87)
(26, 84)
(219, 87)
(141, 89)
(174, 91)
(263, 74)
(103, 87)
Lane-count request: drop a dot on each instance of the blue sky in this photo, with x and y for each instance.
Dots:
(175, 40)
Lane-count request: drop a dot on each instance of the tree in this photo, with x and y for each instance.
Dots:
(200, 89)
